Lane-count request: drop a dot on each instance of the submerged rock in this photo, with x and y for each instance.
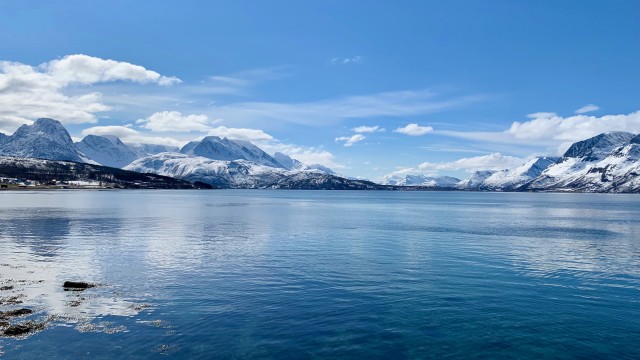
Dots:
(24, 328)
(14, 313)
(76, 285)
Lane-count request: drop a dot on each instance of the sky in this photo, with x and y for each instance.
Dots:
(372, 89)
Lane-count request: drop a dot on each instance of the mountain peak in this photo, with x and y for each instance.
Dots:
(599, 145)
(45, 139)
(107, 150)
(216, 148)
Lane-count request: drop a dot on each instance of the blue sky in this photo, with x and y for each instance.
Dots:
(486, 84)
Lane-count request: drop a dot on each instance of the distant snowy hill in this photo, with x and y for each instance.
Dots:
(241, 173)
(44, 139)
(474, 182)
(424, 181)
(107, 150)
(513, 178)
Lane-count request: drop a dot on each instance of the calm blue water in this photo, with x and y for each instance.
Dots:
(323, 275)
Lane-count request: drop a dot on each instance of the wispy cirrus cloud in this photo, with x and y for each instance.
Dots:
(587, 108)
(346, 60)
(330, 111)
(368, 129)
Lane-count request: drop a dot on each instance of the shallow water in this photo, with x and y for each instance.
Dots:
(323, 274)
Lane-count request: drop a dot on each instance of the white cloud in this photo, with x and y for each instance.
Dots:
(29, 92)
(495, 161)
(587, 108)
(367, 129)
(86, 70)
(166, 121)
(550, 131)
(414, 130)
(350, 140)
(306, 155)
(240, 133)
(129, 135)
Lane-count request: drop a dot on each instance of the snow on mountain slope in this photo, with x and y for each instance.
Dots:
(287, 162)
(216, 148)
(423, 180)
(222, 173)
(619, 171)
(238, 173)
(3, 138)
(107, 150)
(512, 178)
(44, 139)
(475, 181)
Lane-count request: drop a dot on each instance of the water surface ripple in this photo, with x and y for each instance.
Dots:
(323, 274)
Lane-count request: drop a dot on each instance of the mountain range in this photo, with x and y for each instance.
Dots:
(608, 162)
(216, 161)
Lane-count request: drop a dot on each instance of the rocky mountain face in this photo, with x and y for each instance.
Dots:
(44, 139)
(49, 170)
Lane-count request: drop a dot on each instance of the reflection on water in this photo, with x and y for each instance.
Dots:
(260, 274)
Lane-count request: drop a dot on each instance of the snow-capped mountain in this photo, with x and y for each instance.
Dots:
(609, 162)
(424, 181)
(240, 173)
(44, 139)
(3, 138)
(598, 146)
(593, 169)
(107, 150)
(512, 178)
(216, 148)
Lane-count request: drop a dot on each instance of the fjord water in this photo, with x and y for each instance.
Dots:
(324, 274)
